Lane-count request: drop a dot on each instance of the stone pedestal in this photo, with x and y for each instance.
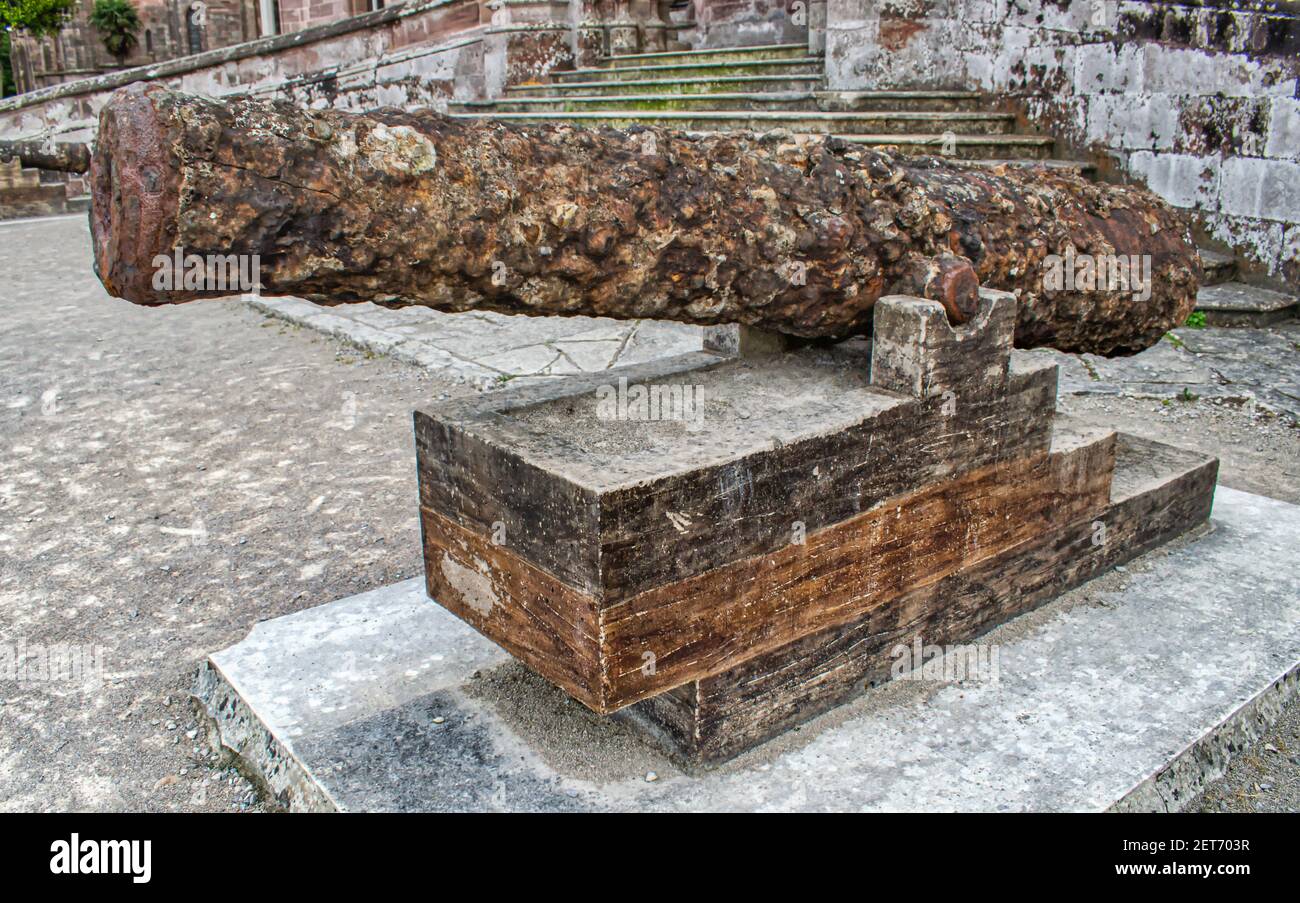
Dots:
(731, 546)
(22, 194)
(1129, 693)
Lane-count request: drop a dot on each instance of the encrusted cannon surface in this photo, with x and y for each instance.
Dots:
(800, 235)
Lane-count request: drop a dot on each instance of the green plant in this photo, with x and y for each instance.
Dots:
(1196, 320)
(117, 22)
(7, 86)
(39, 18)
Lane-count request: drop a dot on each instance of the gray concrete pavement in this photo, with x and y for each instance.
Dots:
(170, 477)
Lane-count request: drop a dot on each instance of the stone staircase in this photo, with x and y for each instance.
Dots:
(763, 88)
(24, 194)
(1226, 302)
(783, 86)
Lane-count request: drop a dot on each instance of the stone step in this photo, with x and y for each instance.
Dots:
(1239, 304)
(900, 100)
(890, 123)
(985, 148)
(670, 86)
(709, 57)
(1082, 167)
(824, 101)
(804, 65)
(766, 100)
(1218, 267)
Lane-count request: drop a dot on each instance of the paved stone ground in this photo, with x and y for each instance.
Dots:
(168, 478)
(171, 476)
(486, 350)
(1254, 368)
(1251, 368)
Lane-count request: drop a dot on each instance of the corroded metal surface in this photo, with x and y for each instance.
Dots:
(796, 234)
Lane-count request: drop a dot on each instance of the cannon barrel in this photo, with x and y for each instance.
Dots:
(45, 153)
(796, 234)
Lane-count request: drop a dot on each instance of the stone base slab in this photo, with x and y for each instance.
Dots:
(1130, 692)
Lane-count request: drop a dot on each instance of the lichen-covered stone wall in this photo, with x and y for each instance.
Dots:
(1197, 98)
(743, 23)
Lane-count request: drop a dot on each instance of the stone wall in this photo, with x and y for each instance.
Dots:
(412, 55)
(295, 15)
(741, 23)
(168, 29)
(1197, 98)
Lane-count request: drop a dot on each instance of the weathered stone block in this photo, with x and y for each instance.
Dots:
(1158, 493)
(1262, 237)
(1263, 189)
(848, 15)
(985, 11)
(1284, 129)
(621, 557)
(1181, 179)
(1288, 264)
(1184, 71)
(1222, 126)
(736, 574)
(1100, 68)
(1132, 122)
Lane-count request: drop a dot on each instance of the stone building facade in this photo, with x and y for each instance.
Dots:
(168, 29)
(295, 15)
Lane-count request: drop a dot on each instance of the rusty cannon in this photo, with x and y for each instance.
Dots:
(721, 580)
(798, 235)
(46, 153)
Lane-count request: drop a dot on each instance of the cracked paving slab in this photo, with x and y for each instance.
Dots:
(485, 349)
(1254, 368)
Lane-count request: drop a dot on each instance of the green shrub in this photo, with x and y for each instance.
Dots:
(117, 22)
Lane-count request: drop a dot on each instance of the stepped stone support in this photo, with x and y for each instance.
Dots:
(23, 194)
(722, 575)
(800, 235)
